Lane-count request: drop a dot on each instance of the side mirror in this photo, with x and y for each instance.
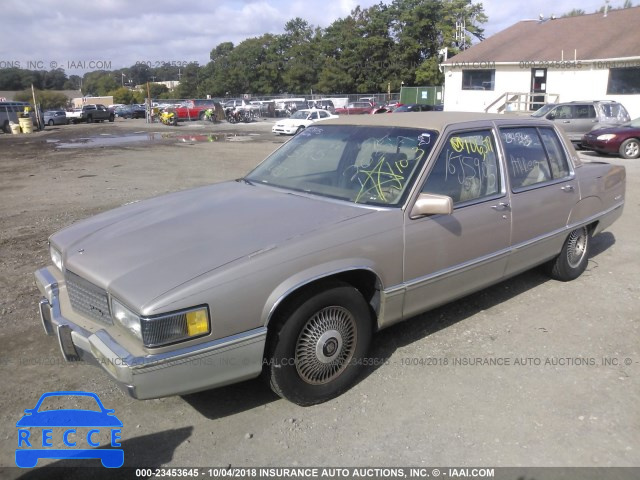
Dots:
(432, 204)
(551, 116)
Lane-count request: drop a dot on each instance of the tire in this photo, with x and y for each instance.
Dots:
(89, 119)
(318, 345)
(573, 257)
(630, 148)
(5, 127)
(50, 123)
(300, 129)
(112, 118)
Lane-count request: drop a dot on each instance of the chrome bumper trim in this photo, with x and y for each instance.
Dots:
(184, 370)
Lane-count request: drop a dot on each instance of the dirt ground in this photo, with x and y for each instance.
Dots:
(565, 394)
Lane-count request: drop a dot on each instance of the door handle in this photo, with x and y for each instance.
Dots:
(568, 188)
(565, 121)
(501, 206)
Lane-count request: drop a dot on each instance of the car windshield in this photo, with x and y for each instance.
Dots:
(61, 402)
(300, 115)
(368, 165)
(543, 110)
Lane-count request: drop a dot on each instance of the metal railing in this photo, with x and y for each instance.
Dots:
(522, 101)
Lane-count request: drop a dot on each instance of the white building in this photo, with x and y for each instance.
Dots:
(587, 57)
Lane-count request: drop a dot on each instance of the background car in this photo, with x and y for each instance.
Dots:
(123, 111)
(300, 120)
(623, 140)
(138, 111)
(414, 107)
(55, 117)
(578, 118)
(355, 108)
(323, 105)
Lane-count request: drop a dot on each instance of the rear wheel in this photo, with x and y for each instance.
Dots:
(630, 148)
(573, 257)
(319, 344)
(5, 127)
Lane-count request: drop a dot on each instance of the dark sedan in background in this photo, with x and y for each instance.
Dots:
(623, 140)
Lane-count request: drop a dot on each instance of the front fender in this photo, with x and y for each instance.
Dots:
(310, 275)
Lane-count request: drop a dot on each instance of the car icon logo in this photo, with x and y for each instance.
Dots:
(74, 428)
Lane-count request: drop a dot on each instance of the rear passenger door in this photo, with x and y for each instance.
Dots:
(543, 192)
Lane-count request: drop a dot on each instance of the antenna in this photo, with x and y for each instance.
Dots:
(461, 38)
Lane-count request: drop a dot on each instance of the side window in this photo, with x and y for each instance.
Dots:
(563, 111)
(585, 111)
(526, 157)
(314, 116)
(555, 153)
(466, 169)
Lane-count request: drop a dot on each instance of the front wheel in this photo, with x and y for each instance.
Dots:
(630, 148)
(573, 257)
(51, 123)
(300, 129)
(319, 345)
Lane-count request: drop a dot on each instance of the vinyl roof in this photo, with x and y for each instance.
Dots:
(437, 121)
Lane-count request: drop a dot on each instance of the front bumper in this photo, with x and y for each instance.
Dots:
(180, 371)
(592, 143)
(284, 129)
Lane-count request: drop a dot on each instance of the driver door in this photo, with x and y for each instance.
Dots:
(448, 256)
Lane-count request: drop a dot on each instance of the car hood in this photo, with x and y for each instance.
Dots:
(141, 251)
(612, 129)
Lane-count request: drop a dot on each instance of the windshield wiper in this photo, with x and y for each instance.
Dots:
(248, 182)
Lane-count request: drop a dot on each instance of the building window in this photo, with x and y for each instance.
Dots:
(624, 81)
(478, 79)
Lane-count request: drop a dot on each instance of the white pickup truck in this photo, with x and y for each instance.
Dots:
(74, 115)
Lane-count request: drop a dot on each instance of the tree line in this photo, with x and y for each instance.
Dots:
(370, 50)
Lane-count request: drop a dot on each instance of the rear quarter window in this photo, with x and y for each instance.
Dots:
(533, 156)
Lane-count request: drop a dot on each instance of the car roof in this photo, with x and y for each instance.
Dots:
(437, 121)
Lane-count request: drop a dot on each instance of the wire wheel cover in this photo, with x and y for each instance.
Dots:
(326, 345)
(577, 247)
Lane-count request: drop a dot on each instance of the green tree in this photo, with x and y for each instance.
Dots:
(54, 79)
(122, 95)
(99, 83)
(157, 89)
(301, 55)
(188, 87)
(72, 83)
(423, 27)
(47, 99)
(576, 12)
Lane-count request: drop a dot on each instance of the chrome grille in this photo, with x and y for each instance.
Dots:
(88, 299)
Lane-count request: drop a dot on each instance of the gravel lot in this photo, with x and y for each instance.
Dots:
(430, 401)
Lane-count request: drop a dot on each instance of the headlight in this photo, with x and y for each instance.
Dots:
(163, 329)
(606, 137)
(56, 257)
(125, 317)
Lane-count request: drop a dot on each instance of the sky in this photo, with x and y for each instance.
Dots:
(81, 36)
